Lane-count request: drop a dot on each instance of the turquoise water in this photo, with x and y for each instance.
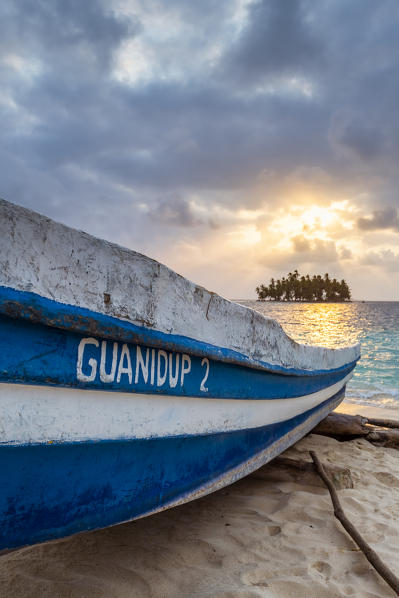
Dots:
(375, 324)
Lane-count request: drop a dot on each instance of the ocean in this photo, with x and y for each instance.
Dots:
(375, 324)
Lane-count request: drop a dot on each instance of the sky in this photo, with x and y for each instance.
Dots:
(231, 140)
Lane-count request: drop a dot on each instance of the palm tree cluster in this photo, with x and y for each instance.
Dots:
(304, 288)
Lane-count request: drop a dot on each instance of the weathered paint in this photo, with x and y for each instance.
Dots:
(126, 389)
(53, 490)
(36, 354)
(71, 267)
(31, 307)
(40, 414)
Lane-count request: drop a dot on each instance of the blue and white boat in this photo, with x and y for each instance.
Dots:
(126, 389)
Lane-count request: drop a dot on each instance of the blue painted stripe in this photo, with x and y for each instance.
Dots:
(50, 491)
(33, 307)
(32, 353)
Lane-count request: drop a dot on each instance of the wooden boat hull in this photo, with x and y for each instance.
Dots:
(54, 489)
(126, 389)
(99, 431)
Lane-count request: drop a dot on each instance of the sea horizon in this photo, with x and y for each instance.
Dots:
(302, 301)
(375, 324)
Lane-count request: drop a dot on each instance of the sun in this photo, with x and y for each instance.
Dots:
(311, 221)
(316, 217)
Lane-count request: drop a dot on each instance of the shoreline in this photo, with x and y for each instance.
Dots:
(368, 410)
(272, 534)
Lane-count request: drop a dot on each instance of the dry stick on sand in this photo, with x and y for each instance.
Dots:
(369, 553)
(383, 423)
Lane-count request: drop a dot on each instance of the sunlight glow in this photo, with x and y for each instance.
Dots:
(246, 235)
(313, 222)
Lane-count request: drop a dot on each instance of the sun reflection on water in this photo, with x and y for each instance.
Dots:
(374, 324)
(323, 324)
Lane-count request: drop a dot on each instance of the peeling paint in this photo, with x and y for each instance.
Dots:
(37, 257)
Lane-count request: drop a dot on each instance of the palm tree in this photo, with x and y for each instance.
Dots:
(304, 288)
(272, 289)
(279, 290)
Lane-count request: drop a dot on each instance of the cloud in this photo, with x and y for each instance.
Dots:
(80, 36)
(177, 211)
(301, 244)
(240, 106)
(301, 253)
(385, 259)
(345, 254)
(277, 41)
(314, 250)
(196, 132)
(386, 218)
(361, 140)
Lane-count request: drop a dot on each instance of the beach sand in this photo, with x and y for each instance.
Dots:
(270, 535)
(368, 411)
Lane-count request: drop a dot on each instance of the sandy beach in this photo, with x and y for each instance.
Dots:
(199, 261)
(271, 535)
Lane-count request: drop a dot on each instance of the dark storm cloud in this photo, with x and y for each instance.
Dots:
(61, 30)
(70, 129)
(278, 40)
(178, 211)
(58, 114)
(174, 210)
(364, 141)
(380, 220)
(200, 138)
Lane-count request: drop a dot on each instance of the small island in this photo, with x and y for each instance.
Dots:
(295, 287)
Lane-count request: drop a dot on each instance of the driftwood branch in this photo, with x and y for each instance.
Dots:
(342, 425)
(369, 553)
(382, 432)
(381, 437)
(383, 423)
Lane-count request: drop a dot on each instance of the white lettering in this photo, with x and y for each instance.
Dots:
(140, 364)
(104, 377)
(92, 362)
(205, 362)
(174, 378)
(185, 370)
(152, 366)
(122, 369)
(161, 379)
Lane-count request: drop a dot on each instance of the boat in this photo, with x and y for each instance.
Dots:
(126, 389)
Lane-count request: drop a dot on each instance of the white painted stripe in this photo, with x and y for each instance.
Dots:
(39, 414)
(252, 464)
